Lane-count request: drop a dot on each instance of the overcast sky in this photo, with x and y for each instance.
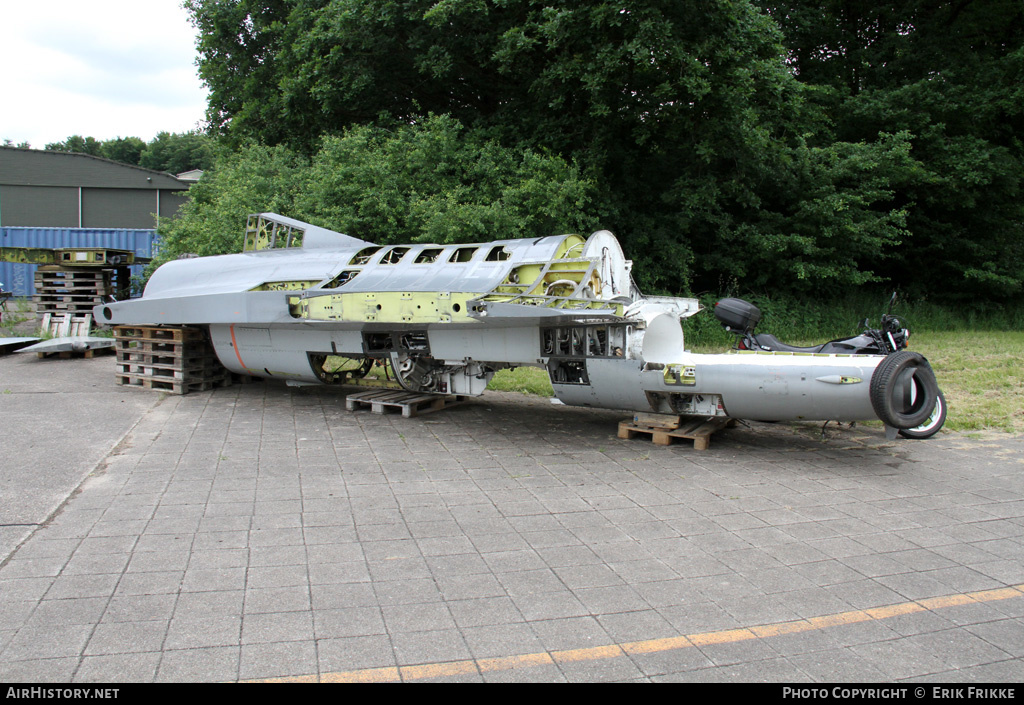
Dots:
(100, 68)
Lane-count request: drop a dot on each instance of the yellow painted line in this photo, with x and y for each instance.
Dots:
(655, 645)
(286, 679)
(366, 675)
(591, 654)
(509, 663)
(438, 670)
(649, 646)
(999, 594)
(767, 630)
(895, 610)
(727, 636)
(838, 620)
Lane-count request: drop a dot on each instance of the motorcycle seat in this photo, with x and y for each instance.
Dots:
(767, 341)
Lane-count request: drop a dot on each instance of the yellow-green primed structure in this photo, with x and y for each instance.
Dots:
(71, 256)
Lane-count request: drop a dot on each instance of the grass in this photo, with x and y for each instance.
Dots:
(15, 311)
(528, 380)
(981, 373)
(19, 320)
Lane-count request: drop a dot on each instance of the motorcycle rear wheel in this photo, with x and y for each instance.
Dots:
(932, 425)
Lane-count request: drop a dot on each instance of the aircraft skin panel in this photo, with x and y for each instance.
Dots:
(277, 352)
(248, 349)
(347, 311)
(781, 387)
(768, 389)
(205, 309)
(424, 277)
(517, 346)
(613, 384)
(226, 274)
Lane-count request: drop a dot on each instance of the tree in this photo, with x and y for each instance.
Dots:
(169, 152)
(646, 96)
(797, 145)
(833, 225)
(238, 44)
(566, 75)
(212, 220)
(79, 144)
(949, 75)
(428, 182)
(127, 150)
(178, 152)
(437, 182)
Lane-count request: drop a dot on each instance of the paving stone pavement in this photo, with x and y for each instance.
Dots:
(260, 532)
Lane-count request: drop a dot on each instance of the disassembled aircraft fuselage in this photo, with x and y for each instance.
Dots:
(312, 306)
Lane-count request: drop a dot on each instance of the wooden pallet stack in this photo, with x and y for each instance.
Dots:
(177, 360)
(62, 291)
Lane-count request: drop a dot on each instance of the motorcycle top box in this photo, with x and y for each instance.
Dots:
(737, 315)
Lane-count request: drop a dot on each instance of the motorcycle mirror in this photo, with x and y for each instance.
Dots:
(892, 302)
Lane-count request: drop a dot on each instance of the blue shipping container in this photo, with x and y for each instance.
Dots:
(20, 278)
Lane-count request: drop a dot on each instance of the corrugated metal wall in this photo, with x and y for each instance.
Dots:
(19, 278)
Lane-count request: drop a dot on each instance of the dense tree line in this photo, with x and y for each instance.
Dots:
(430, 182)
(951, 76)
(171, 152)
(787, 146)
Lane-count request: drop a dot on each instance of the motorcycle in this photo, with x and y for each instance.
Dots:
(890, 340)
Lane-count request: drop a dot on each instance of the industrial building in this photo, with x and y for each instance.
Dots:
(41, 189)
(62, 199)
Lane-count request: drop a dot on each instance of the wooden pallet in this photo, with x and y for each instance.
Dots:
(63, 298)
(73, 280)
(174, 386)
(169, 372)
(141, 346)
(176, 359)
(68, 354)
(410, 404)
(159, 333)
(695, 428)
(180, 358)
(66, 324)
(60, 291)
(63, 303)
